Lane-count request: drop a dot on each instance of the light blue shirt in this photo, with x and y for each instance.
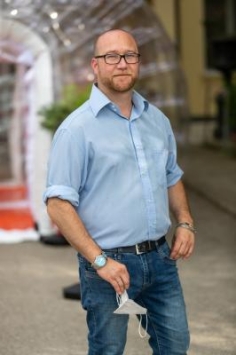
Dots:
(115, 171)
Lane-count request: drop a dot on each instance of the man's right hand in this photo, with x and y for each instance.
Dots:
(116, 274)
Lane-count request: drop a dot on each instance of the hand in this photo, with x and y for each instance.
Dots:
(182, 244)
(116, 274)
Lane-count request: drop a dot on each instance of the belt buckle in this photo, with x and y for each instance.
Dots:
(147, 249)
(138, 252)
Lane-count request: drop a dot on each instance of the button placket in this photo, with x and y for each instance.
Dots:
(147, 188)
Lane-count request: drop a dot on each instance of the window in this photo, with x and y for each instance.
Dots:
(220, 21)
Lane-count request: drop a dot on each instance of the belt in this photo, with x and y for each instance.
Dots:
(140, 248)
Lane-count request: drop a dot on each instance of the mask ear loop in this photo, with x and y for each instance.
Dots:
(118, 299)
(140, 327)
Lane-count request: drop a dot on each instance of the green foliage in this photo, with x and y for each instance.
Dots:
(54, 114)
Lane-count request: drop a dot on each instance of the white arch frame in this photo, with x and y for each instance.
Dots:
(15, 33)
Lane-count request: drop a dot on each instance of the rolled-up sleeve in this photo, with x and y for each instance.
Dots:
(173, 171)
(65, 166)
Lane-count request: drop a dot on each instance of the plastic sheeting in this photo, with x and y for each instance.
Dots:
(69, 28)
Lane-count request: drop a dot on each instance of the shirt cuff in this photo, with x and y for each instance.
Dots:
(172, 179)
(62, 192)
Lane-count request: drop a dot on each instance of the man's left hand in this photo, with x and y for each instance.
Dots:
(182, 244)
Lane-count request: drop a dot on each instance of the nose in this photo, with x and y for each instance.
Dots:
(122, 63)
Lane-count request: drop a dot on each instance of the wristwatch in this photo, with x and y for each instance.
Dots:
(99, 261)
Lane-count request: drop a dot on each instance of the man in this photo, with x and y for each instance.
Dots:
(112, 175)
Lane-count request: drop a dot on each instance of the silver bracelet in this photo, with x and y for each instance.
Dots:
(187, 226)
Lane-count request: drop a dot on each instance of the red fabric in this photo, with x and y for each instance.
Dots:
(10, 216)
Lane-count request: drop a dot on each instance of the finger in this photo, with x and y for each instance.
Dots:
(184, 249)
(118, 286)
(175, 251)
(180, 251)
(120, 282)
(123, 278)
(121, 285)
(126, 280)
(189, 252)
(190, 248)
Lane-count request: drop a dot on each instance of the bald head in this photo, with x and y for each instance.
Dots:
(109, 38)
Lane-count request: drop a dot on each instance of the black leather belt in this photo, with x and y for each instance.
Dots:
(140, 248)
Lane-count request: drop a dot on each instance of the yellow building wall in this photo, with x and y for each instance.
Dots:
(203, 85)
(165, 11)
(192, 59)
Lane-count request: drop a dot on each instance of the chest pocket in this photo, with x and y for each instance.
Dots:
(157, 162)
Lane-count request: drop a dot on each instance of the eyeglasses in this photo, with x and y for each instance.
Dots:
(113, 58)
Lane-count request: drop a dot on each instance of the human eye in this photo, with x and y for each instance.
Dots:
(112, 58)
(131, 58)
(131, 55)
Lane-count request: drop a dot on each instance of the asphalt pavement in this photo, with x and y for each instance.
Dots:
(211, 173)
(35, 319)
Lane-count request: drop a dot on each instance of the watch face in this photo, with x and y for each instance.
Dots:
(100, 260)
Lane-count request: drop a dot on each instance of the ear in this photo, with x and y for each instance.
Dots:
(94, 64)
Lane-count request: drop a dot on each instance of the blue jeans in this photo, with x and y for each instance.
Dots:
(155, 285)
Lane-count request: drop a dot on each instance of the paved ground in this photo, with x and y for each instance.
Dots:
(36, 320)
(212, 174)
(209, 281)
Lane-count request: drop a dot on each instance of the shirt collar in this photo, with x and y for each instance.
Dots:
(98, 101)
(139, 102)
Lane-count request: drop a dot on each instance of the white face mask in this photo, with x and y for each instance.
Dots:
(128, 306)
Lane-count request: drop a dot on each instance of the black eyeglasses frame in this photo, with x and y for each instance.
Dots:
(104, 56)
